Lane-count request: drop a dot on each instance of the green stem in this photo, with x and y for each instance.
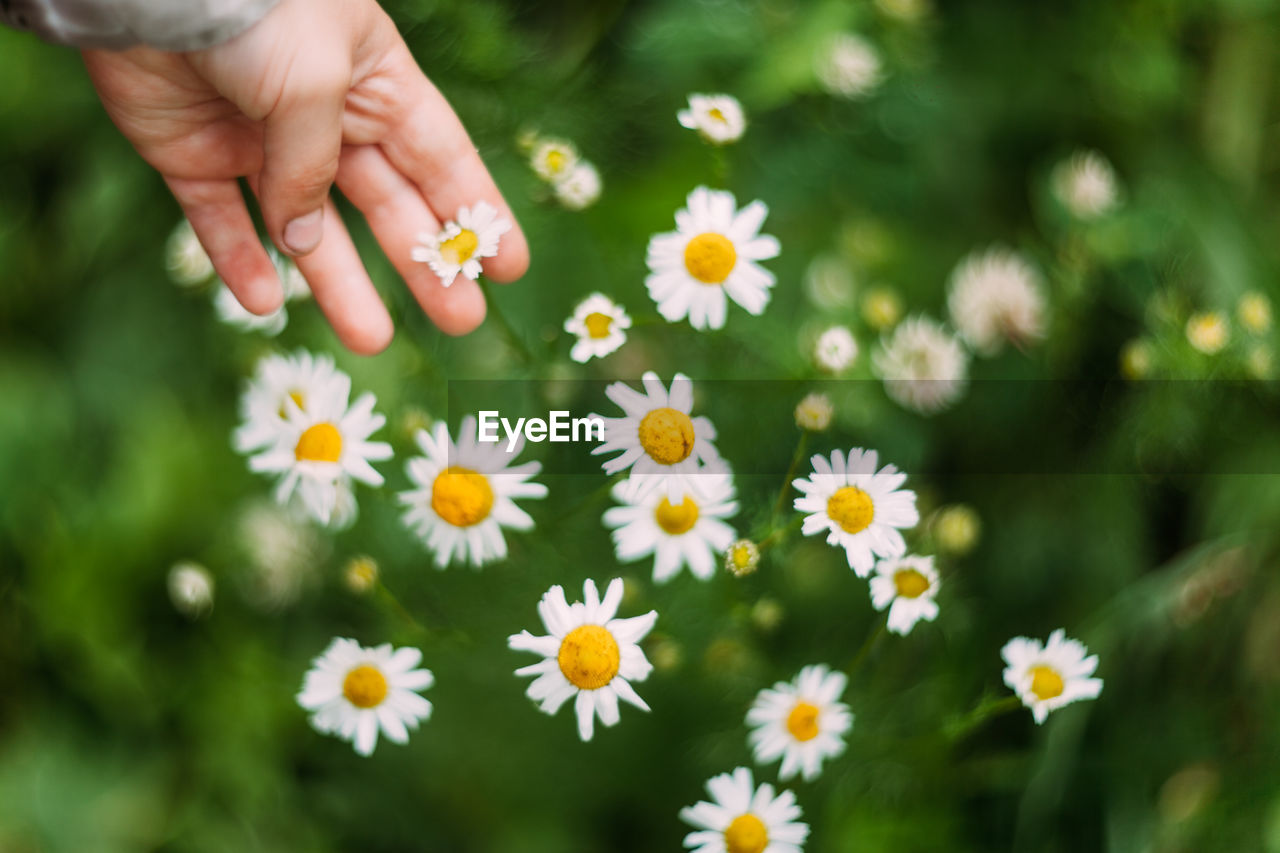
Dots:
(867, 645)
(791, 473)
(504, 326)
(957, 729)
(777, 534)
(394, 605)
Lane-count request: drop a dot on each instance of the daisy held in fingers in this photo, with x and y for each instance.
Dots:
(689, 531)
(907, 587)
(861, 509)
(354, 692)
(800, 721)
(741, 818)
(1047, 677)
(710, 258)
(466, 494)
(600, 324)
(588, 655)
(459, 246)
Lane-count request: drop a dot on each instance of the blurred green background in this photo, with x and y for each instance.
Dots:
(125, 726)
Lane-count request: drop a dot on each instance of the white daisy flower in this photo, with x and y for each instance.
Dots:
(850, 67)
(461, 243)
(600, 325)
(355, 691)
(231, 312)
(996, 295)
(814, 412)
(801, 722)
(742, 558)
(835, 349)
(466, 493)
(1254, 312)
(321, 449)
(657, 438)
(190, 589)
(861, 509)
(685, 532)
(580, 188)
(277, 380)
(588, 655)
(185, 259)
(907, 586)
(923, 366)
(281, 550)
(741, 818)
(553, 159)
(1050, 676)
(1085, 184)
(718, 119)
(1208, 332)
(710, 258)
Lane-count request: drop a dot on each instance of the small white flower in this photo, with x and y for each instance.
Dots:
(354, 692)
(1085, 184)
(588, 655)
(923, 367)
(861, 510)
(718, 119)
(850, 67)
(190, 589)
(278, 380)
(185, 259)
(685, 532)
(957, 528)
(1254, 312)
(580, 188)
(461, 243)
(814, 412)
(741, 818)
(600, 325)
(829, 282)
(907, 586)
(996, 296)
(742, 558)
(231, 312)
(836, 349)
(360, 574)
(322, 449)
(800, 721)
(1050, 676)
(711, 258)
(1208, 332)
(281, 550)
(553, 159)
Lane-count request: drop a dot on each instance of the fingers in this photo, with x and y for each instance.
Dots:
(429, 145)
(397, 213)
(218, 215)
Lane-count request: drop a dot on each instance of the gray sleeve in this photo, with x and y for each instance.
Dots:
(118, 24)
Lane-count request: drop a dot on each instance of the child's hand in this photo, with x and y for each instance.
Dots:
(317, 90)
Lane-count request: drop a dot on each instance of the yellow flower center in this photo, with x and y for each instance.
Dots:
(295, 396)
(365, 686)
(319, 443)
(588, 657)
(1046, 683)
(667, 435)
(710, 257)
(910, 583)
(598, 324)
(802, 722)
(555, 161)
(716, 115)
(746, 834)
(742, 556)
(677, 519)
(851, 508)
(459, 249)
(461, 496)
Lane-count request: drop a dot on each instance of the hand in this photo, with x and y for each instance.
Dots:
(317, 91)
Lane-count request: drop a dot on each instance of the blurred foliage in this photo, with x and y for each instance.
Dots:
(125, 726)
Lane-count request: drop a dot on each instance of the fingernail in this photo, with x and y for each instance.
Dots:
(303, 234)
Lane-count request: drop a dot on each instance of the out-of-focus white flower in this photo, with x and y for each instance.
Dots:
(1085, 183)
(849, 67)
(1254, 312)
(829, 282)
(462, 242)
(1050, 676)
(580, 188)
(190, 589)
(1260, 362)
(742, 558)
(956, 528)
(231, 312)
(360, 574)
(1136, 359)
(600, 325)
(1208, 332)
(882, 308)
(185, 258)
(553, 159)
(835, 349)
(814, 412)
(996, 296)
(924, 368)
(718, 119)
(282, 552)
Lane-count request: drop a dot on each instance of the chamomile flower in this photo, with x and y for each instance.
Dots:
(657, 438)
(588, 654)
(461, 243)
(320, 450)
(231, 312)
(741, 818)
(814, 412)
(996, 296)
(300, 378)
(190, 589)
(580, 188)
(354, 692)
(801, 722)
(907, 586)
(718, 119)
(185, 259)
(742, 558)
(689, 531)
(835, 349)
(710, 258)
(861, 509)
(1050, 676)
(553, 159)
(1208, 332)
(1085, 184)
(600, 325)
(923, 366)
(850, 67)
(466, 493)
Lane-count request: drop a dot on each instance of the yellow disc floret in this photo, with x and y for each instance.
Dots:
(802, 722)
(710, 257)
(667, 435)
(588, 657)
(746, 834)
(460, 248)
(677, 519)
(319, 443)
(365, 686)
(598, 325)
(910, 583)
(851, 508)
(1046, 682)
(461, 496)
